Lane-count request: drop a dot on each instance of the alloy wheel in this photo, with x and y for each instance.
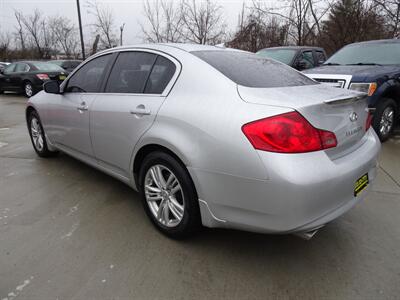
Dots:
(387, 121)
(37, 134)
(164, 195)
(28, 90)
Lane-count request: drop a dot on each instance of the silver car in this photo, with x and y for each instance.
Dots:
(213, 137)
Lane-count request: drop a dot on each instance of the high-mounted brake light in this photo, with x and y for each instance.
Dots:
(288, 133)
(43, 76)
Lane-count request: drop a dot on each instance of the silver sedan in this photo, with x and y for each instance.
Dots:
(213, 137)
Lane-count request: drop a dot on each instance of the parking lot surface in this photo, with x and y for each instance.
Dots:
(68, 231)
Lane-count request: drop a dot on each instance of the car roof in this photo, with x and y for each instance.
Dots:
(385, 41)
(167, 47)
(294, 48)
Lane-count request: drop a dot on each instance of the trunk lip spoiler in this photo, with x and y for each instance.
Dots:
(346, 99)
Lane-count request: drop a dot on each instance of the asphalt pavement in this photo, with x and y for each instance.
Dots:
(68, 231)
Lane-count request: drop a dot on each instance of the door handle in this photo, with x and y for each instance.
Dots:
(140, 110)
(83, 107)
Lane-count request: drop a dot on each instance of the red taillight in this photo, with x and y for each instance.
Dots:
(368, 122)
(43, 76)
(288, 133)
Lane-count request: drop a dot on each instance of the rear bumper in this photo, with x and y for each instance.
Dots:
(303, 192)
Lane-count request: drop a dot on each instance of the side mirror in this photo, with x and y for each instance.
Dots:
(51, 87)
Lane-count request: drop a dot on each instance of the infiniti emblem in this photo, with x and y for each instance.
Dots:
(353, 117)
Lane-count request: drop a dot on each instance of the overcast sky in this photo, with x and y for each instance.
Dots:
(125, 11)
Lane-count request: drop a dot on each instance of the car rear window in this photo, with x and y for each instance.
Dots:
(285, 56)
(44, 66)
(251, 70)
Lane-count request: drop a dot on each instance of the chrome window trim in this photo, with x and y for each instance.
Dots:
(167, 89)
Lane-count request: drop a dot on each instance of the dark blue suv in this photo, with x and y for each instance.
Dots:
(374, 68)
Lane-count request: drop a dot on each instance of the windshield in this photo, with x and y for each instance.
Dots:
(44, 66)
(283, 55)
(374, 53)
(251, 70)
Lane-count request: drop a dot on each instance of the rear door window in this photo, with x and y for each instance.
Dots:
(308, 59)
(250, 70)
(320, 57)
(161, 74)
(130, 72)
(21, 67)
(89, 77)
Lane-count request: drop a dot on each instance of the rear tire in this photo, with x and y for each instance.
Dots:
(29, 90)
(171, 203)
(37, 135)
(385, 118)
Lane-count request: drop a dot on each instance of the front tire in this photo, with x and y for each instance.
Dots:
(385, 118)
(168, 195)
(29, 90)
(37, 135)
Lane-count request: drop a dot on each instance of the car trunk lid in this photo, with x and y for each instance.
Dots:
(339, 111)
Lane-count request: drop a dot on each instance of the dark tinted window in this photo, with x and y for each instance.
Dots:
(307, 59)
(88, 78)
(285, 56)
(74, 64)
(160, 76)
(21, 67)
(320, 57)
(130, 72)
(9, 69)
(45, 66)
(251, 70)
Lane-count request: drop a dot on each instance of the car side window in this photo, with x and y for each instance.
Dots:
(321, 58)
(9, 69)
(21, 67)
(130, 72)
(89, 77)
(307, 59)
(160, 76)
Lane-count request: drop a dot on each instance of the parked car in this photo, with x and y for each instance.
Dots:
(212, 136)
(374, 68)
(28, 76)
(68, 65)
(3, 65)
(298, 57)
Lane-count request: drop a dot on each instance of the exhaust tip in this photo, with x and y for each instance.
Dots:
(307, 235)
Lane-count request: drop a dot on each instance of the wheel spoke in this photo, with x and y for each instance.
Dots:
(177, 211)
(171, 177)
(166, 213)
(160, 176)
(175, 189)
(154, 178)
(160, 210)
(153, 189)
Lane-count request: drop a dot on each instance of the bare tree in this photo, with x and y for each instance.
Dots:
(41, 39)
(104, 24)
(302, 16)
(33, 25)
(65, 34)
(256, 31)
(20, 34)
(390, 10)
(165, 20)
(351, 21)
(202, 22)
(5, 44)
